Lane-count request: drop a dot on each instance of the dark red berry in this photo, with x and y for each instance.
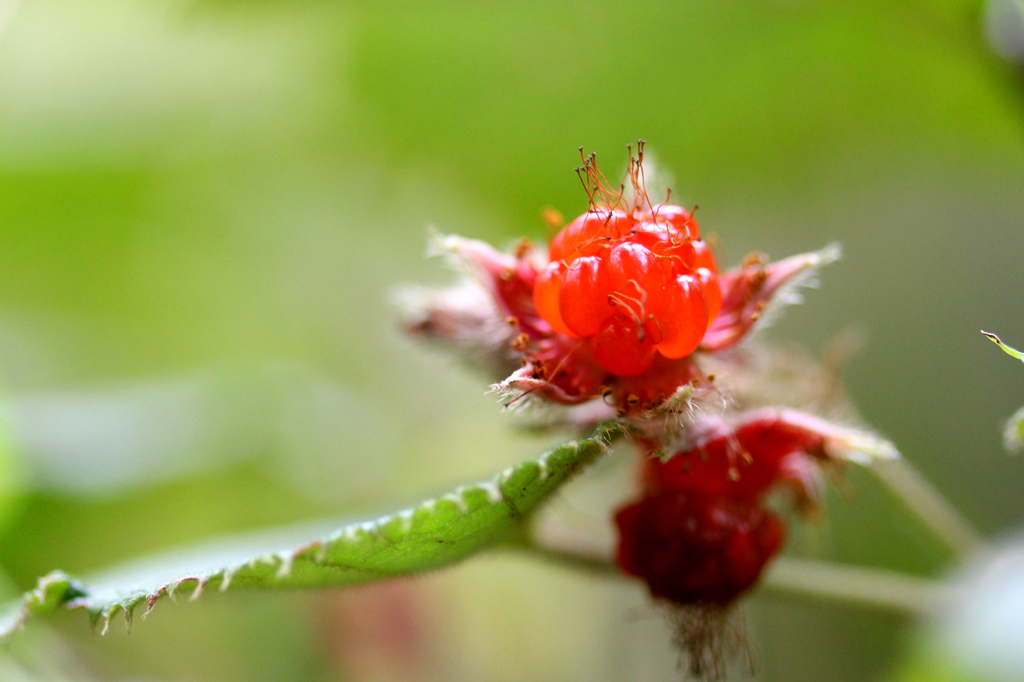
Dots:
(696, 549)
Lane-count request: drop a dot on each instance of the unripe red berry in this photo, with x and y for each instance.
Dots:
(628, 294)
(634, 283)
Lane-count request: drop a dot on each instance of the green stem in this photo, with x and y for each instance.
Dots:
(853, 585)
(928, 505)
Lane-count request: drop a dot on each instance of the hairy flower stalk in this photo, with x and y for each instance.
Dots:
(626, 316)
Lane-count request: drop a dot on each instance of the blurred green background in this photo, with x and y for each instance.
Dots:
(205, 205)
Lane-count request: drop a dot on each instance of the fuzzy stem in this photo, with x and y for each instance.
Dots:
(928, 505)
(792, 577)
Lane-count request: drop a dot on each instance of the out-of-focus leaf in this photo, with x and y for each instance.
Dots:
(1013, 435)
(11, 476)
(1009, 350)
(975, 636)
(433, 534)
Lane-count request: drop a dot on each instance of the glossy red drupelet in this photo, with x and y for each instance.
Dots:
(692, 548)
(635, 284)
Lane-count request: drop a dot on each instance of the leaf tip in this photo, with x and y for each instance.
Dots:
(1009, 350)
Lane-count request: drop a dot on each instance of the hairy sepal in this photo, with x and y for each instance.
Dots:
(753, 294)
(841, 443)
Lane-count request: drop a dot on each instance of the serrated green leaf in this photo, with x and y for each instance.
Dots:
(431, 535)
(1007, 349)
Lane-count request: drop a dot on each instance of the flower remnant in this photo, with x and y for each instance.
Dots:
(627, 316)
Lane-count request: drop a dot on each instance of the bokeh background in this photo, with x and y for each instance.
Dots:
(205, 206)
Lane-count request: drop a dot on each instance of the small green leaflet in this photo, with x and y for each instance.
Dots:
(436, 533)
(1009, 351)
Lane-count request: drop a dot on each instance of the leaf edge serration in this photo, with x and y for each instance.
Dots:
(460, 523)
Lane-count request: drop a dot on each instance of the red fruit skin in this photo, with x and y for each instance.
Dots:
(629, 281)
(623, 347)
(681, 317)
(638, 281)
(589, 235)
(546, 297)
(676, 216)
(703, 257)
(696, 549)
(712, 293)
(583, 297)
(743, 464)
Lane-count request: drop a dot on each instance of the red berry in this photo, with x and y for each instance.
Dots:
(704, 258)
(696, 549)
(681, 318)
(583, 299)
(676, 216)
(623, 347)
(642, 281)
(638, 282)
(589, 234)
(712, 292)
(546, 296)
(674, 250)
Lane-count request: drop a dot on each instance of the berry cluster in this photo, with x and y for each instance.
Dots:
(699, 533)
(635, 283)
(605, 325)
